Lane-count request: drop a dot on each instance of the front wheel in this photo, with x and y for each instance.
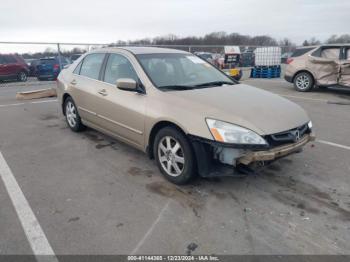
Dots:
(174, 155)
(303, 82)
(72, 116)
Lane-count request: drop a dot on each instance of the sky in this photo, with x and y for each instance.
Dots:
(105, 21)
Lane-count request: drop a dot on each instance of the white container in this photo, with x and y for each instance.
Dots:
(267, 56)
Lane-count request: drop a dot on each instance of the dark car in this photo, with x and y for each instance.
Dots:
(247, 59)
(49, 68)
(13, 67)
(33, 67)
(74, 57)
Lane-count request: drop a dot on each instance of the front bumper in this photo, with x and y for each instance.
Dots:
(209, 166)
(288, 78)
(276, 152)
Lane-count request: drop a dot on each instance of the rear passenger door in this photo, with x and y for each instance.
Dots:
(344, 76)
(324, 63)
(84, 83)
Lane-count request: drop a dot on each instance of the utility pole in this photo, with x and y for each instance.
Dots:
(59, 56)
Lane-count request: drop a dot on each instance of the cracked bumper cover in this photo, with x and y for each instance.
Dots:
(209, 167)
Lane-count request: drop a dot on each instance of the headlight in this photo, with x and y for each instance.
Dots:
(229, 133)
(309, 125)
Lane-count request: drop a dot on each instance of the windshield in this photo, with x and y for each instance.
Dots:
(181, 70)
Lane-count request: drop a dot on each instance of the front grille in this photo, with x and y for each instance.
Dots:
(287, 137)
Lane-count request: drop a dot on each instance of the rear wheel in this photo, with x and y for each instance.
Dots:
(72, 116)
(303, 82)
(22, 76)
(174, 155)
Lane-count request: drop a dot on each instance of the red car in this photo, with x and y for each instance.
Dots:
(13, 67)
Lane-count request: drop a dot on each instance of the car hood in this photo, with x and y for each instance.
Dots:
(243, 105)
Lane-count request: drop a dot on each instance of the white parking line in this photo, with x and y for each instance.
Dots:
(34, 233)
(28, 103)
(307, 98)
(150, 230)
(333, 144)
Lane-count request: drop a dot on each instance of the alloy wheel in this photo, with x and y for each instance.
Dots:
(303, 82)
(71, 114)
(171, 156)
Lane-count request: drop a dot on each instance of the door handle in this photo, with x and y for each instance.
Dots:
(102, 92)
(74, 82)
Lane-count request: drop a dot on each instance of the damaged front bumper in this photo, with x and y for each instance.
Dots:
(276, 152)
(216, 159)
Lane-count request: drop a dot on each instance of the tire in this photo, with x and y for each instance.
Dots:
(238, 77)
(22, 76)
(72, 116)
(179, 166)
(303, 82)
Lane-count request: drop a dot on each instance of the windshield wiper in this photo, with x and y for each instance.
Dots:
(215, 83)
(176, 87)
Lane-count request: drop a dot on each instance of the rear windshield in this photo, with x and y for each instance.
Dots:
(301, 51)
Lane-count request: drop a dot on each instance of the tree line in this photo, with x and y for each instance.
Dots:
(223, 38)
(215, 38)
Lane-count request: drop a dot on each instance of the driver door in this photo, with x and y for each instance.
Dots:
(120, 112)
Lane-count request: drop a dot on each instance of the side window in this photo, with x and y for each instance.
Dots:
(330, 53)
(2, 60)
(91, 65)
(301, 51)
(117, 67)
(10, 59)
(77, 69)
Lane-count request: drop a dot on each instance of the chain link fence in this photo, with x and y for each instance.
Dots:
(31, 61)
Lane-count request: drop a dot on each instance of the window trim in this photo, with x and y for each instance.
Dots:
(104, 66)
(82, 62)
(318, 51)
(346, 50)
(79, 65)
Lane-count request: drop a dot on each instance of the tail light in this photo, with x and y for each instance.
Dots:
(56, 66)
(289, 60)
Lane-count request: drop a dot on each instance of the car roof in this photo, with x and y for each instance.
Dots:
(137, 50)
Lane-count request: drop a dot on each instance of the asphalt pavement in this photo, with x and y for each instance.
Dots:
(90, 194)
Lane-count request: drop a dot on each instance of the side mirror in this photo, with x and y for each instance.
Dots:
(127, 84)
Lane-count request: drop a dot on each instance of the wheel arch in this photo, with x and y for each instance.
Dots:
(64, 97)
(305, 71)
(154, 130)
